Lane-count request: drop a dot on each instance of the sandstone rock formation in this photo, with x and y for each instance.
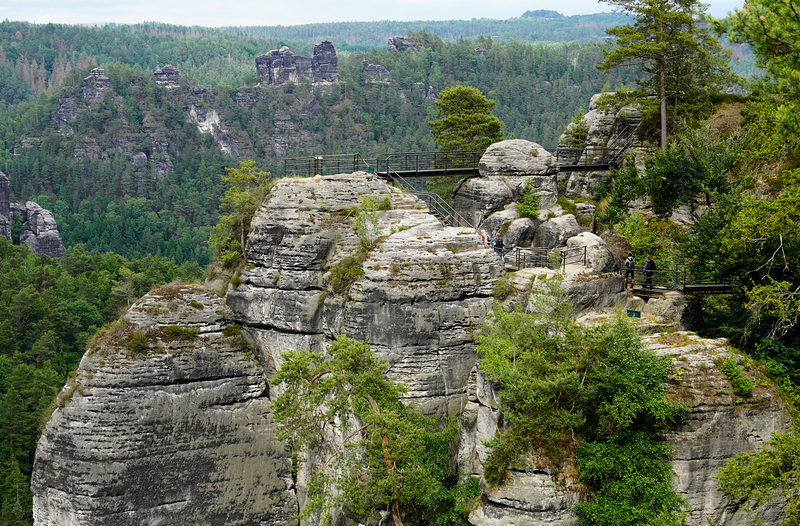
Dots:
(718, 425)
(605, 128)
(95, 85)
(422, 292)
(280, 66)
(398, 43)
(376, 72)
(39, 229)
(167, 75)
(167, 421)
(504, 169)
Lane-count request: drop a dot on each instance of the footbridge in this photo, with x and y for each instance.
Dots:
(439, 163)
(679, 279)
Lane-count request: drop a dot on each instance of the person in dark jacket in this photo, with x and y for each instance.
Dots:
(630, 265)
(649, 269)
(498, 248)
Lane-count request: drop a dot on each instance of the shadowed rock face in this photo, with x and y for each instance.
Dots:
(175, 429)
(39, 229)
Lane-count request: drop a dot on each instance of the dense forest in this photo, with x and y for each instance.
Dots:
(84, 169)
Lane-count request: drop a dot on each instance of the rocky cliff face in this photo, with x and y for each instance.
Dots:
(279, 66)
(168, 419)
(422, 292)
(718, 425)
(166, 422)
(39, 229)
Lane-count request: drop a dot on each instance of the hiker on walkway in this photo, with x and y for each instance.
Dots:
(487, 239)
(649, 269)
(498, 248)
(630, 265)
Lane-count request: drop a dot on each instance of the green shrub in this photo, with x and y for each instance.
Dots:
(346, 272)
(176, 332)
(742, 385)
(503, 288)
(137, 342)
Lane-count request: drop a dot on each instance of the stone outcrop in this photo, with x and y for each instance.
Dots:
(167, 75)
(399, 43)
(422, 292)
(427, 93)
(39, 229)
(95, 85)
(504, 169)
(280, 66)
(718, 425)
(604, 128)
(167, 421)
(376, 72)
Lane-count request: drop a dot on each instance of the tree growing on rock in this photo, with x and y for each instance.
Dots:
(372, 454)
(247, 187)
(672, 42)
(772, 30)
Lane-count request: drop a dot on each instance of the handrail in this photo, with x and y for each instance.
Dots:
(437, 206)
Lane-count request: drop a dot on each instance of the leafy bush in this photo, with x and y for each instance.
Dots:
(558, 380)
(346, 272)
(742, 385)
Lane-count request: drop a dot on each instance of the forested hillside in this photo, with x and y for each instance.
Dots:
(132, 173)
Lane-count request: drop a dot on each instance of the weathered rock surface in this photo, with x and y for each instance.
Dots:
(167, 421)
(505, 168)
(556, 231)
(95, 85)
(422, 292)
(167, 75)
(717, 426)
(376, 72)
(606, 128)
(279, 66)
(39, 229)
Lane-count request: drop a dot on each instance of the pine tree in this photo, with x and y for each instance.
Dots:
(464, 120)
(671, 41)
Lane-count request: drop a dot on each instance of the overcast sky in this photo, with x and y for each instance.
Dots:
(215, 13)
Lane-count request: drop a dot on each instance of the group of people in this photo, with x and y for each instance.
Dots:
(648, 269)
(496, 243)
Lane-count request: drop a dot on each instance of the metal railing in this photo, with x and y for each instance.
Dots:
(437, 206)
(423, 164)
(543, 257)
(325, 165)
(679, 279)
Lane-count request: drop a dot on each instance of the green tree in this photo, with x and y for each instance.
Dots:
(671, 41)
(564, 387)
(757, 477)
(247, 187)
(464, 120)
(772, 30)
(389, 457)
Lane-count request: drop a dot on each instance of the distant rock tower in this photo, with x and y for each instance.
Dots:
(168, 76)
(39, 229)
(279, 66)
(95, 84)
